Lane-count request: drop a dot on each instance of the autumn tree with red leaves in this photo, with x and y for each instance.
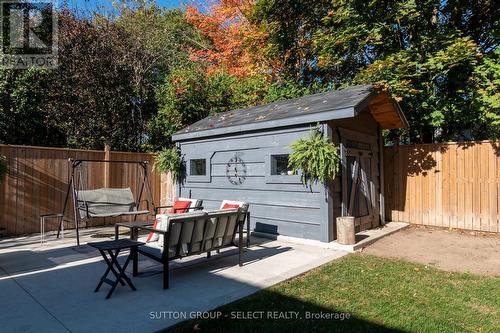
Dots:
(234, 42)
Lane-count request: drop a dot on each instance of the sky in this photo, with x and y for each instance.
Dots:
(92, 5)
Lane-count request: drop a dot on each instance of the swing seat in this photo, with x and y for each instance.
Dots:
(107, 202)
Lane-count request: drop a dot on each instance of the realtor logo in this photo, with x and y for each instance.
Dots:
(28, 34)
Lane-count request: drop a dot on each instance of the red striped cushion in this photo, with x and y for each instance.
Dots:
(230, 206)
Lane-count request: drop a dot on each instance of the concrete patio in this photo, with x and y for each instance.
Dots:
(49, 288)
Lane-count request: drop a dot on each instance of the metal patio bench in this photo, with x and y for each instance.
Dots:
(183, 235)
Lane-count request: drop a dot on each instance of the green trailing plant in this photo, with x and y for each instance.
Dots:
(316, 157)
(3, 167)
(170, 160)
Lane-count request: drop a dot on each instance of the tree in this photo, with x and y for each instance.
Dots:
(233, 42)
(23, 118)
(289, 43)
(159, 40)
(426, 53)
(91, 94)
(486, 96)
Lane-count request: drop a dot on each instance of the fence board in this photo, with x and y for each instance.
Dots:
(453, 185)
(37, 181)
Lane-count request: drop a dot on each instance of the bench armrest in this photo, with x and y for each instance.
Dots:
(53, 215)
(163, 232)
(157, 208)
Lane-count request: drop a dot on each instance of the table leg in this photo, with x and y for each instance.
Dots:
(122, 275)
(122, 269)
(113, 263)
(248, 230)
(109, 269)
(62, 227)
(105, 275)
(134, 233)
(135, 261)
(42, 222)
(117, 270)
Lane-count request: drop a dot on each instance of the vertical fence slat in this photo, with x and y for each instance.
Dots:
(492, 187)
(460, 189)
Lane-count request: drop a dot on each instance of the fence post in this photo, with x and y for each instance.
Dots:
(107, 173)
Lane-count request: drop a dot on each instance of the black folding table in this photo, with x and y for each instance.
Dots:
(109, 251)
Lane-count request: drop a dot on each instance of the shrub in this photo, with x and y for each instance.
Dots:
(170, 160)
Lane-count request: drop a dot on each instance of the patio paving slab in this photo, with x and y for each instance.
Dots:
(54, 291)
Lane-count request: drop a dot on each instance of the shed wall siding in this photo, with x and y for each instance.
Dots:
(284, 208)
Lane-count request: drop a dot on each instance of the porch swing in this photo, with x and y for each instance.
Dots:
(104, 202)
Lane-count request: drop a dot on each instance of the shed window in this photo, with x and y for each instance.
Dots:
(279, 165)
(198, 167)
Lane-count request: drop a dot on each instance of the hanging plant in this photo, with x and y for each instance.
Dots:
(170, 160)
(318, 158)
(3, 167)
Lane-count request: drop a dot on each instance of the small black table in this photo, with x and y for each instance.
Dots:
(112, 249)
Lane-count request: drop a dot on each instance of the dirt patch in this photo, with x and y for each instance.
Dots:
(450, 250)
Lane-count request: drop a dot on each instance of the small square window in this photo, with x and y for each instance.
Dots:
(279, 165)
(198, 167)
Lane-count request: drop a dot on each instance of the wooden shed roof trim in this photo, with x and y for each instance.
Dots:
(339, 104)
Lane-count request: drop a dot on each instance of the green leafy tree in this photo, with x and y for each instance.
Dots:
(159, 41)
(23, 117)
(289, 25)
(91, 96)
(190, 94)
(487, 95)
(182, 100)
(428, 54)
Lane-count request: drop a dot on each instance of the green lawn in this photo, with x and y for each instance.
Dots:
(378, 294)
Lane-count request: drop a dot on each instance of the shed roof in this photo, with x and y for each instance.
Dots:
(339, 104)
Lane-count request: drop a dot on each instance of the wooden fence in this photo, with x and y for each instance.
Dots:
(453, 185)
(37, 181)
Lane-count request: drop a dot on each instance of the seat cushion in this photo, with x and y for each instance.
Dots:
(106, 202)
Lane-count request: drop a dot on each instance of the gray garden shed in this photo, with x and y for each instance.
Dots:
(243, 155)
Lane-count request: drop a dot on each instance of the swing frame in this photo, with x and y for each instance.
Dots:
(74, 164)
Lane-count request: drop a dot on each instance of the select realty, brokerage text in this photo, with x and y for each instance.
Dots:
(249, 315)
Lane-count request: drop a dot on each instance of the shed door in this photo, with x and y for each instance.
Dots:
(360, 183)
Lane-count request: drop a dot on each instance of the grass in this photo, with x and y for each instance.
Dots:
(380, 295)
